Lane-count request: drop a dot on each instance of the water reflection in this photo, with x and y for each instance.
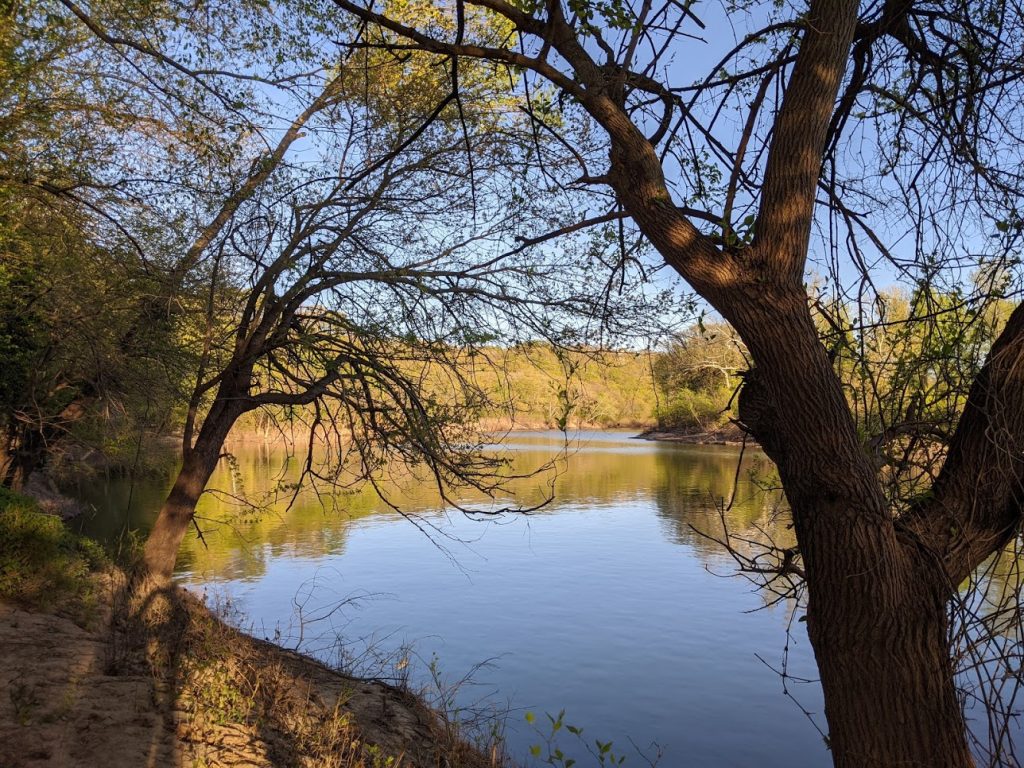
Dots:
(252, 513)
(604, 602)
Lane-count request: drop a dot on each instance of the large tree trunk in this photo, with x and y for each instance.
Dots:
(877, 600)
(890, 697)
(175, 517)
(880, 639)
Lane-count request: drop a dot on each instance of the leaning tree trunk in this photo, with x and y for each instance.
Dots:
(178, 510)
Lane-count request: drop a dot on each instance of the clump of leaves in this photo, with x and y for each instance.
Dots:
(601, 752)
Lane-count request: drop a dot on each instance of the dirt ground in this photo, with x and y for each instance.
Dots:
(187, 690)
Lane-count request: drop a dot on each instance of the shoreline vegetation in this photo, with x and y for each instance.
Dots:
(680, 395)
(727, 434)
(94, 678)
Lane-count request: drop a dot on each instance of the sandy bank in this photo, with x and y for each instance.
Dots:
(178, 687)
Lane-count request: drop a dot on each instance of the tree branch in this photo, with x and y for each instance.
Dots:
(976, 505)
(794, 159)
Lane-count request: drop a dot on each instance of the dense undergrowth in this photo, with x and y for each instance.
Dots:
(42, 563)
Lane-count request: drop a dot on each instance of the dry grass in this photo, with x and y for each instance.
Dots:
(237, 700)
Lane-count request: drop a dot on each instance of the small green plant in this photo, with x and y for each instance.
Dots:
(24, 701)
(377, 757)
(549, 753)
(218, 692)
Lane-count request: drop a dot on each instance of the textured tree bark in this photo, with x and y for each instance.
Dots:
(890, 697)
(976, 505)
(175, 517)
(877, 601)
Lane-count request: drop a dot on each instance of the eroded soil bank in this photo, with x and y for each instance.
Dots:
(727, 434)
(91, 677)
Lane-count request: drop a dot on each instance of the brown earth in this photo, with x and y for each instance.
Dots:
(728, 434)
(169, 684)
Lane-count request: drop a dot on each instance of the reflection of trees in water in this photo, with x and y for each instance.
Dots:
(254, 511)
(988, 646)
(697, 486)
(254, 514)
(728, 511)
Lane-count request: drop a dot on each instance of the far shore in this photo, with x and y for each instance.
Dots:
(45, 491)
(730, 434)
(297, 433)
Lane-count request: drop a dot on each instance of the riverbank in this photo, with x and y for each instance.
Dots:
(93, 679)
(728, 434)
(298, 435)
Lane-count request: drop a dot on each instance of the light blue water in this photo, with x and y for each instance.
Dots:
(607, 604)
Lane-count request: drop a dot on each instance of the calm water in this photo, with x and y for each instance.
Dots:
(606, 603)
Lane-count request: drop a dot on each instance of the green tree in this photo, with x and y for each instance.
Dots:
(333, 274)
(88, 339)
(698, 375)
(86, 364)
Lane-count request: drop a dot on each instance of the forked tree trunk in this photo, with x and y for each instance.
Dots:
(175, 517)
(877, 601)
(877, 593)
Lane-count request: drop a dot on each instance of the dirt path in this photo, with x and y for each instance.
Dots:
(59, 708)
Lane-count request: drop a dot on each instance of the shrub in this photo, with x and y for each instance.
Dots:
(42, 563)
(694, 411)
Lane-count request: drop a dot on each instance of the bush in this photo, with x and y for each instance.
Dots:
(42, 563)
(694, 411)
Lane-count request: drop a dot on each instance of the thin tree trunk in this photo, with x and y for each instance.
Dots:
(29, 446)
(175, 517)
(26, 457)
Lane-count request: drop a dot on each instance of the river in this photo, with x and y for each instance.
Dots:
(608, 603)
